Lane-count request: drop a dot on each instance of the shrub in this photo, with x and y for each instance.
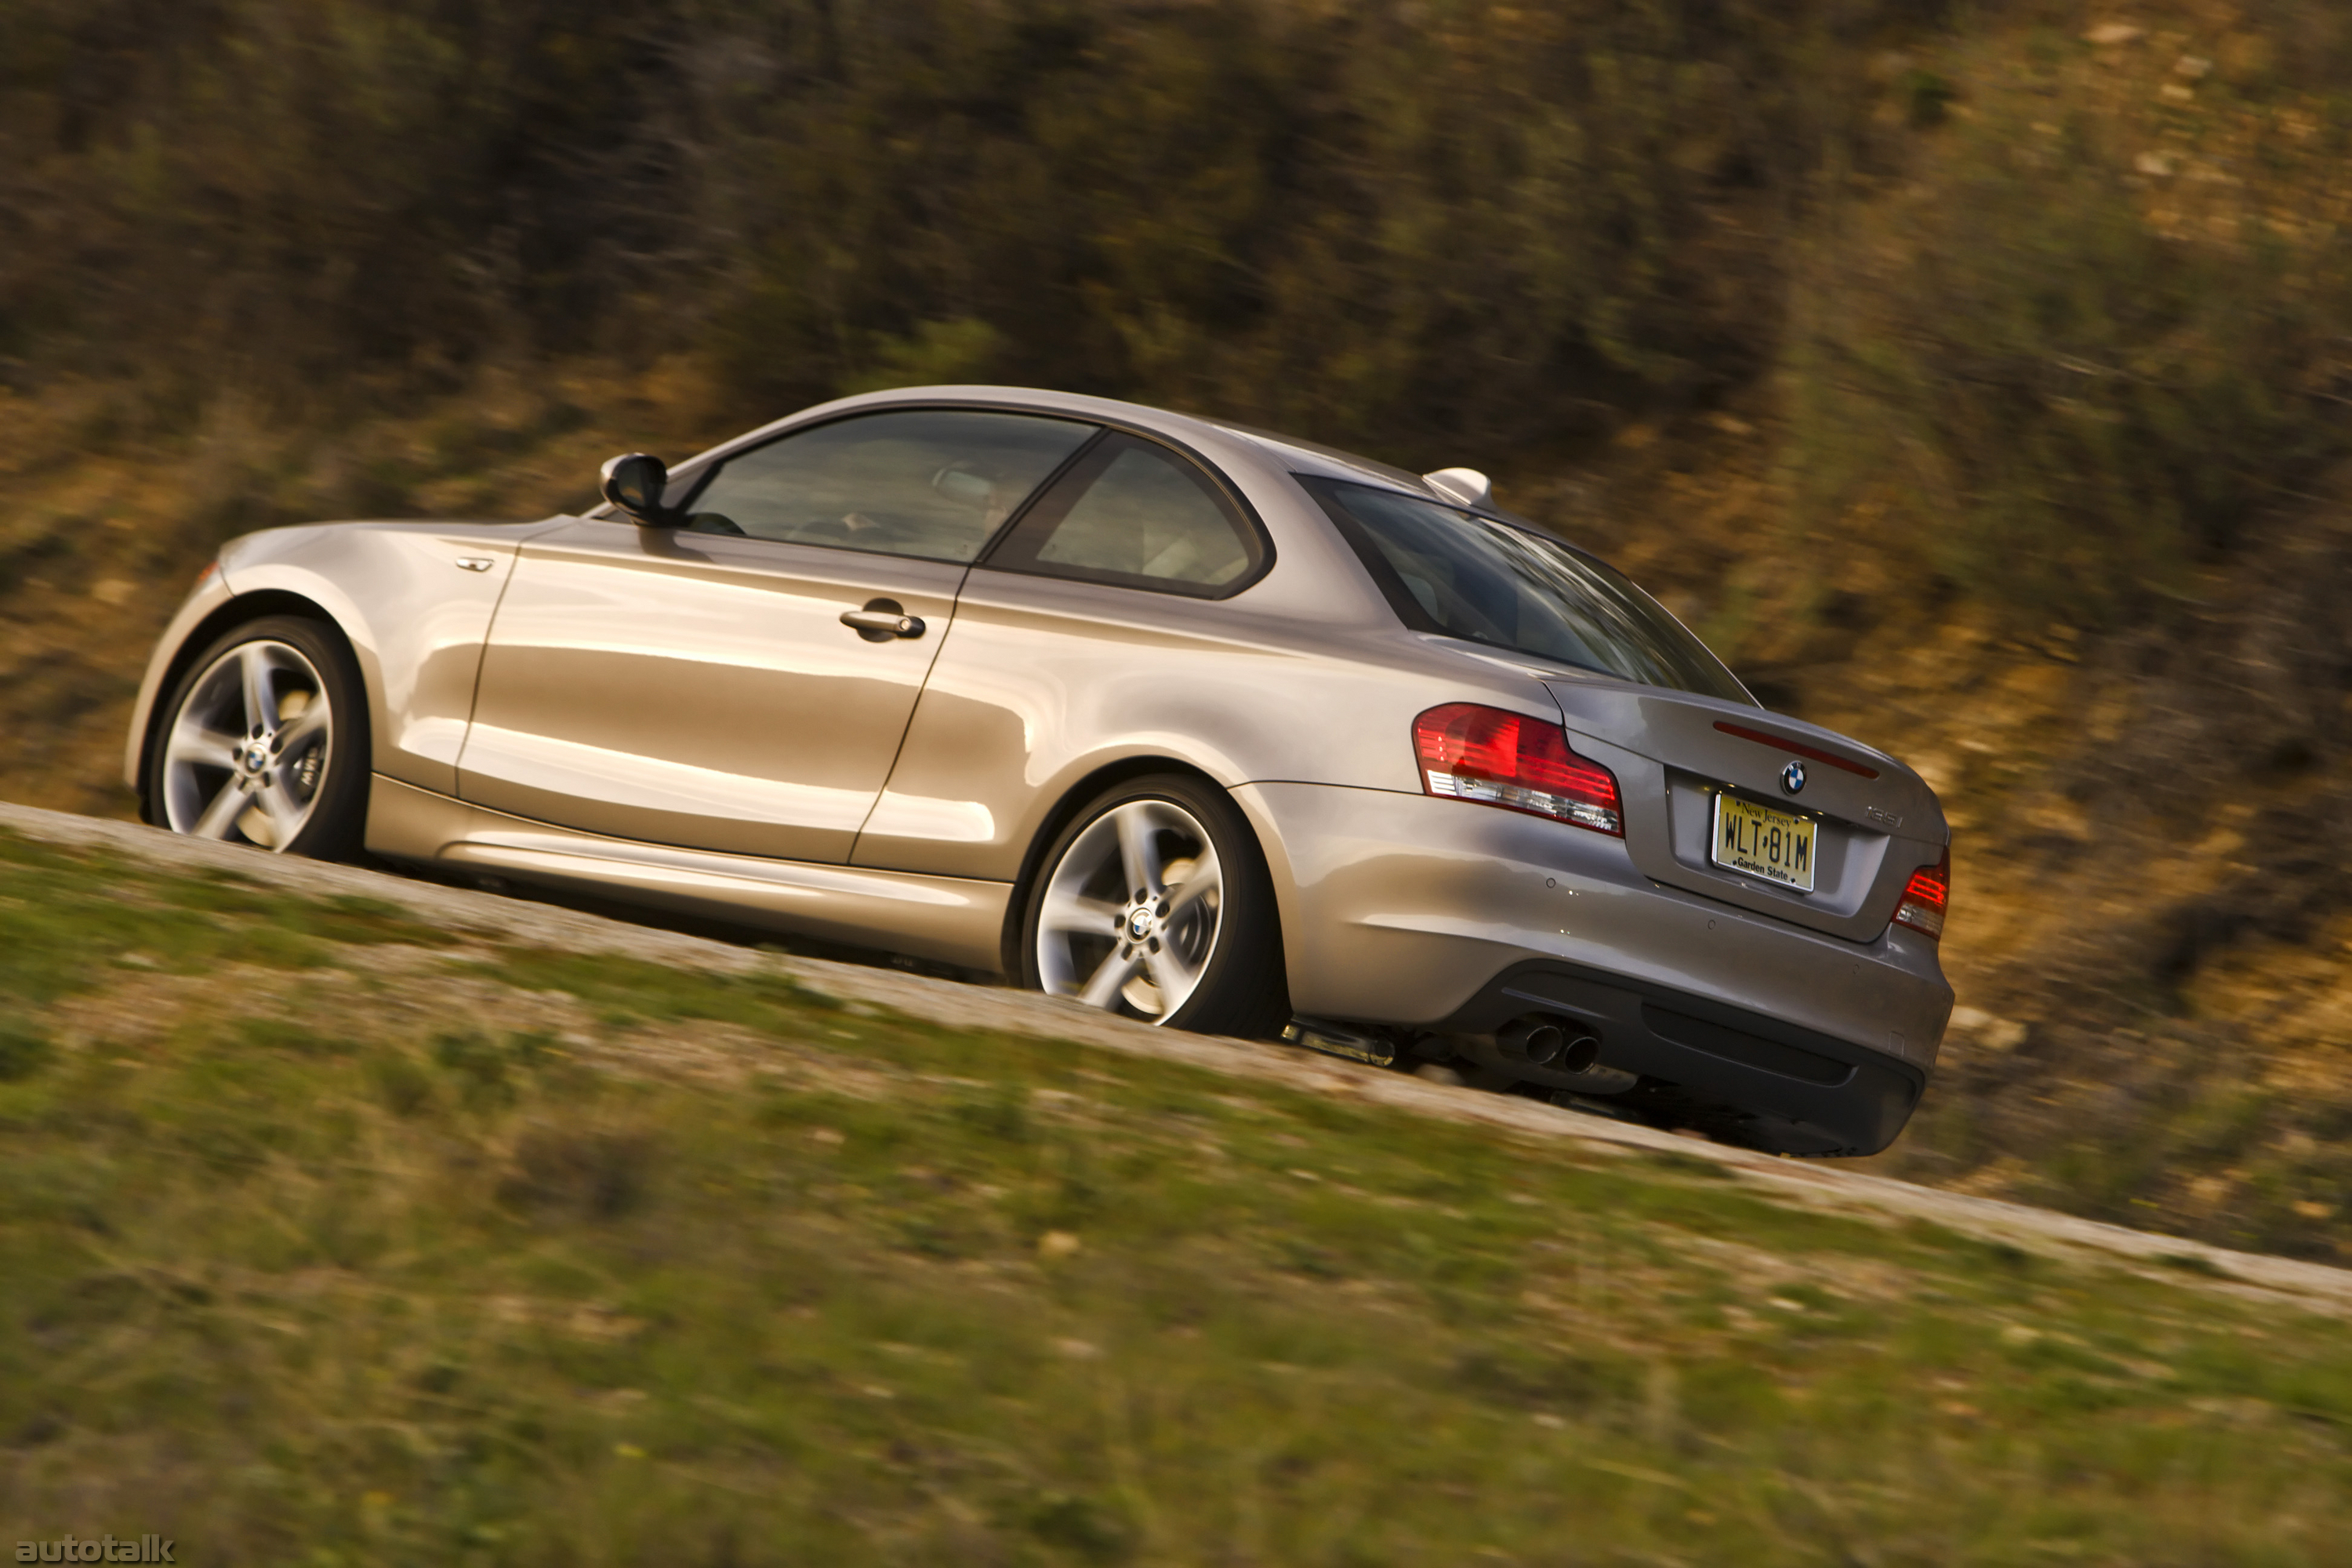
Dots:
(1463, 217)
(24, 1051)
(1391, 217)
(2056, 396)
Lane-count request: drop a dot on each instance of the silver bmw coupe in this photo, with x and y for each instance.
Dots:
(1198, 724)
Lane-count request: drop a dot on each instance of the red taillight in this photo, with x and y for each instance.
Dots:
(1925, 901)
(1469, 753)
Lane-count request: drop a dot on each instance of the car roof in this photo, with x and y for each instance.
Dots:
(1295, 455)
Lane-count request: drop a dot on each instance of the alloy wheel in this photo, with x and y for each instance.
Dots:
(1133, 912)
(245, 755)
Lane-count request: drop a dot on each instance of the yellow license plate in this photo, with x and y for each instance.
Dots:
(1777, 845)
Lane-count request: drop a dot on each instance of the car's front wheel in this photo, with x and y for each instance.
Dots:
(265, 741)
(1154, 903)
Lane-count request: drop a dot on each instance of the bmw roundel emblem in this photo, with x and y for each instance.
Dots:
(1793, 778)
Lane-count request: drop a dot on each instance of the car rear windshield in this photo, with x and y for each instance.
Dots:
(1462, 574)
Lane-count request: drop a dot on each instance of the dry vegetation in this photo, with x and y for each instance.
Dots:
(1976, 378)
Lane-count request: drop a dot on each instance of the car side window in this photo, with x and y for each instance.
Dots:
(1133, 513)
(928, 483)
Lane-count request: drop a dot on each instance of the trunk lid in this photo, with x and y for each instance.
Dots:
(1674, 753)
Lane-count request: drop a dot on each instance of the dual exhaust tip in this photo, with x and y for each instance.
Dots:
(1543, 1041)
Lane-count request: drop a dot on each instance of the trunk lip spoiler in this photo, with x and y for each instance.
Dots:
(1784, 744)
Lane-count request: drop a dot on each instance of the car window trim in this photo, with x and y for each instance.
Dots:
(694, 471)
(690, 472)
(1224, 491)
(698, 478)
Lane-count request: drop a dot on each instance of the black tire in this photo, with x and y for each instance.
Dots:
(331, 795)
(1241, 988)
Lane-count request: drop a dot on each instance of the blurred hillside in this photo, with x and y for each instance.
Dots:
(1978, 379)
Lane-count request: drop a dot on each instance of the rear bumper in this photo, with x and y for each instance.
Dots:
(1737, 1074)
(1406, 909)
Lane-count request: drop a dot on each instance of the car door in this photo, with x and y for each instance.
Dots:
(1102, 616)
(701, 687)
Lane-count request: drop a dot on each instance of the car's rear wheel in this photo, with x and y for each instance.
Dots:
(1154, 903)
(265, 741)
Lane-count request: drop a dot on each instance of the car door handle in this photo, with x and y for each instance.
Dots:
(881, 620)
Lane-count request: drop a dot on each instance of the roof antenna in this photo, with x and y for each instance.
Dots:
(1467, 485)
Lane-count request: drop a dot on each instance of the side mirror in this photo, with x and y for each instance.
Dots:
(635, 483)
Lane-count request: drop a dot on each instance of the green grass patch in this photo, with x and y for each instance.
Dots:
(425, 1285)
(74, 918)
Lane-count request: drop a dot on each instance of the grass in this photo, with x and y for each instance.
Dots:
(364, 1251)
